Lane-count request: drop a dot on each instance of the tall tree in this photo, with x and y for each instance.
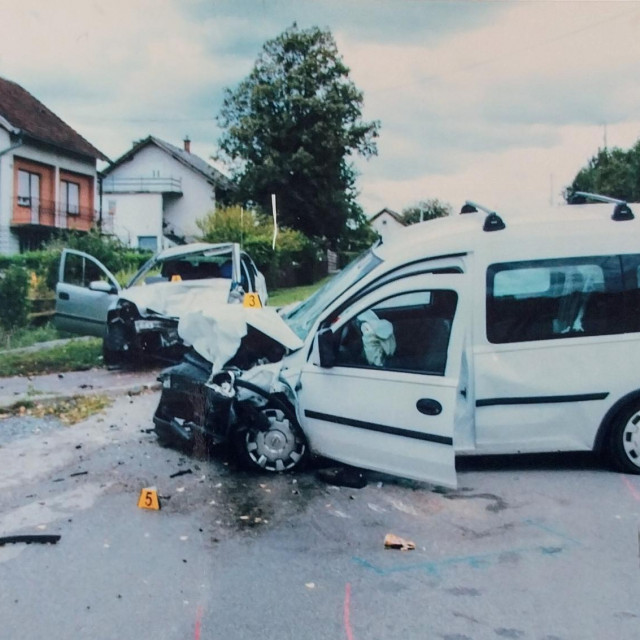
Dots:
(611, 172)
(290, 128)
(426, 210)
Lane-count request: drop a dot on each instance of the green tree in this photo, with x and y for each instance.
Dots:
(426, 210)
(611, 172)
(290, 128)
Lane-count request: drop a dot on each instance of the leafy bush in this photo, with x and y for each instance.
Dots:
(14, 300)
(44, 263)
(296, 259)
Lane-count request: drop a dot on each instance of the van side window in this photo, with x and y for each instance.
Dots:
(631, 269)
(406, 332)
(550, 299)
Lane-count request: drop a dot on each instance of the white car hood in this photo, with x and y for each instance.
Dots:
(216, 335)
(174, 299)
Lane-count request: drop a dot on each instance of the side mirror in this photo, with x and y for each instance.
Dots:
(326, 348)
(102, 286)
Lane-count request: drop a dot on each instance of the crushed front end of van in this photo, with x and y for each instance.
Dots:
(227, 390)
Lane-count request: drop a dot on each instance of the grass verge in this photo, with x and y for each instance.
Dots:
(76, 355)
(69, 411)
(282, 297)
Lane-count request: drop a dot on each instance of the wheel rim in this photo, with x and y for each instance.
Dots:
(631, 439)
(280, 447)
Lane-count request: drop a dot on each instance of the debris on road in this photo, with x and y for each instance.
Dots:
(392, 541)
(184, 472)
(29, 539)
(343, 477)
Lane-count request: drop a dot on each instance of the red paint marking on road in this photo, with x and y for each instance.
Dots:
(198, 623)
(347, 611)
(632, 489)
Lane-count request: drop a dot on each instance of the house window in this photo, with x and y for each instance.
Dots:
(28, 188)
(148, 243)
(70, 197)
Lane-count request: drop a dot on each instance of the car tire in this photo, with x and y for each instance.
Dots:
(274, 443)
(624, 439)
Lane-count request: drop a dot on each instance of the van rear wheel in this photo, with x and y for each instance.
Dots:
(624, 439)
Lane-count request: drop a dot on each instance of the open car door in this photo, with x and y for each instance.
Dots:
(84, 292)
(381, 388)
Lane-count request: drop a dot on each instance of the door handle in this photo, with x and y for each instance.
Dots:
(63, 295)
(429, 406)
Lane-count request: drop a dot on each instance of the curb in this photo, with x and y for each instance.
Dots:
(53, 398)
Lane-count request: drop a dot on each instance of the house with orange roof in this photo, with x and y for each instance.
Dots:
(48, 176)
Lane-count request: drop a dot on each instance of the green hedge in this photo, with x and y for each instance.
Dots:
(14, 297)
(45, 263)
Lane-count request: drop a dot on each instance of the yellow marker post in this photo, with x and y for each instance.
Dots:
(252, 301)
(149, 499)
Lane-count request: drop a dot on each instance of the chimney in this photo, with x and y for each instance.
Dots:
(187, 144)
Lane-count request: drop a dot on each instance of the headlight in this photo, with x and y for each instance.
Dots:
(127, 310)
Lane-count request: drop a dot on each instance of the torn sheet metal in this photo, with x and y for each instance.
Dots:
(216, 335)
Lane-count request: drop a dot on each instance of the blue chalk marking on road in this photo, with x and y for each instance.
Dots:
(476, 561)
(553, 532)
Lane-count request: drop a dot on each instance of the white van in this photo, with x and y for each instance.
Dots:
(472, 334)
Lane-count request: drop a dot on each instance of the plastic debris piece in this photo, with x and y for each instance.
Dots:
(343, 477)
(310, 585)
(184, 472)
(29, 539)
(392, 541)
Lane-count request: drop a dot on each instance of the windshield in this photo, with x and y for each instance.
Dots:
(301, 318)
(191, 266)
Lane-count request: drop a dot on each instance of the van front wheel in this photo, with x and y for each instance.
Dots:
(277, 445)
(624, 443)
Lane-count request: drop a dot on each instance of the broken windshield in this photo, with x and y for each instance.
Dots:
(212, 263)
(301, 318)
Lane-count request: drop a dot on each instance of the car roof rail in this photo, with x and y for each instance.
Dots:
(621, 212)
(493, 222)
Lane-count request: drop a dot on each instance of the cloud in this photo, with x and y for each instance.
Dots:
(473, 96)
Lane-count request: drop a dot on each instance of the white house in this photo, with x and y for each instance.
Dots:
(154, 193)
(48, 173)
(385, 222)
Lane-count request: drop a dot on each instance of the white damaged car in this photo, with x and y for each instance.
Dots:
(140, 320)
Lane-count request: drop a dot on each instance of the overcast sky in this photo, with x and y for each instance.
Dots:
(496, 102)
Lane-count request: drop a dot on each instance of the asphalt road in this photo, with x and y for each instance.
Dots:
(543, 547)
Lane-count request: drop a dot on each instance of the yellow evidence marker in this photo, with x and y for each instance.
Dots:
(149, 499)
(252, 301)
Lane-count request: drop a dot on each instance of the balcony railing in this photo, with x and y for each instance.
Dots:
(142, 185)
(47, 213)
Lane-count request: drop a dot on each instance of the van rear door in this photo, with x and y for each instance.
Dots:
(381, 387)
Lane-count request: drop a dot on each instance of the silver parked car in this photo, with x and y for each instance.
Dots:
(141, 319)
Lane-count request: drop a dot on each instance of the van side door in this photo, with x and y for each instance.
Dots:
(381, 389)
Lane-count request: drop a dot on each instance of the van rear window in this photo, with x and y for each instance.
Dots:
(561, 298)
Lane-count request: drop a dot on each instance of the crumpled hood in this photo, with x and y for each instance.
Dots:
(216, 335)
(174, 299)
